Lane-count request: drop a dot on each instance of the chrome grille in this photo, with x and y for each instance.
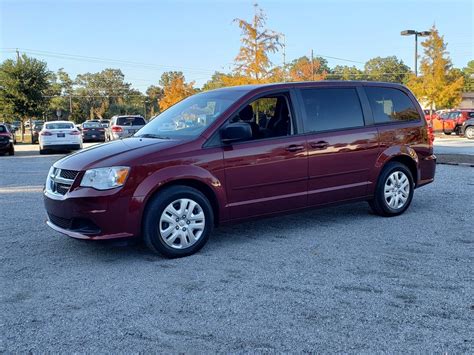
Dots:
(60, 181)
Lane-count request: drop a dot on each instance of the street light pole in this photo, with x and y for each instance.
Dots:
(416, 34)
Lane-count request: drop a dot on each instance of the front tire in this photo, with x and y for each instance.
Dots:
(469, 132)
(177, 221)
(394, 190)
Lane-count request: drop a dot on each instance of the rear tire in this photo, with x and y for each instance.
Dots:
(394, 190)
(42, 151)
(11, 151)
(171, 228)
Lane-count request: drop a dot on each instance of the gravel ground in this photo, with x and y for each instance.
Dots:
(332, 280)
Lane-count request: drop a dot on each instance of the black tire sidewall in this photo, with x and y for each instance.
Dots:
(153, 213)
(380, 196)
(470, 128)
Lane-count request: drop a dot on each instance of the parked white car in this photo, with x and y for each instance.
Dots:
(59, 135)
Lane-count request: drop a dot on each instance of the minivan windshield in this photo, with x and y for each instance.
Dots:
(190, 117)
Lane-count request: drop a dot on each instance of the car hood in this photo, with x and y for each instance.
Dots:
(119, 152)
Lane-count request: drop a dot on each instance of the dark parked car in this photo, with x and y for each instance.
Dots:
(11, 128)
(209, 160)
(92, 131)
(123, 127)
(36, 131)
(467, 129)
(6, 140)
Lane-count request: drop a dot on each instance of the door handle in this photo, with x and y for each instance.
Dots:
(294, 148)
(319, 145)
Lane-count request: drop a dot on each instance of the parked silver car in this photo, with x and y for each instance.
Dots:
(123, 126)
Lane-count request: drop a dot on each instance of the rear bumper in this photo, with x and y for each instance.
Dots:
(62, 146)
(427, 170)
(89, 137)
(6, 147)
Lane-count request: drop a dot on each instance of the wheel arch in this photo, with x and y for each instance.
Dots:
(402, 154)
(195, 177)
(409, 162)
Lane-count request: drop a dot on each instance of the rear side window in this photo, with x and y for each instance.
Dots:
(391, 105)
(470, 114)
(3, 129)
(331, 108)
(130, 121)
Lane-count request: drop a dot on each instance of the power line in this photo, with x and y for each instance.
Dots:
(105, 60)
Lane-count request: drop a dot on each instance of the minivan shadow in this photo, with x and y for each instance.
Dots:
(227, 236)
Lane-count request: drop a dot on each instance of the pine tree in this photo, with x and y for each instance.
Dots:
(439, 85)
(257, 43)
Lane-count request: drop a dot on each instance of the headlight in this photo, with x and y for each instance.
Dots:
(105, 178)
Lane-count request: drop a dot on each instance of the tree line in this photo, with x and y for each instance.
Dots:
(28, 89)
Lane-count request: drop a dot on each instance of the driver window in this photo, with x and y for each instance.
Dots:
(268, 117)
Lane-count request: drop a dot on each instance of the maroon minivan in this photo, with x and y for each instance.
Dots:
(242, 152)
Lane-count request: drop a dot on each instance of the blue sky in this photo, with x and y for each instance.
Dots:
(145, 38)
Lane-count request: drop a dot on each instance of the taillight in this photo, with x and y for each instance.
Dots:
(46, 133)
(74, 133)
(85, 129)
(117, 129)
(431, 135)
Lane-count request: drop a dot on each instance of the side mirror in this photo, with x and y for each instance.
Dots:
(234, 132)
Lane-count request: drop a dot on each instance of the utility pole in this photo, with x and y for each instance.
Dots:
(312, 65)
(70, 104)
(17, 56)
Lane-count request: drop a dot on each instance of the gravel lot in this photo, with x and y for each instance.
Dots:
(333, 280)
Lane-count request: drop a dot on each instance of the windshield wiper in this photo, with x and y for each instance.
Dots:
(151, 135)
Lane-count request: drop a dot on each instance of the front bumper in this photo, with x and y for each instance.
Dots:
(85, 213)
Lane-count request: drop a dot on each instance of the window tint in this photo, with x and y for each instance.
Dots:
(470, 114)
(59, 126)
(3, 129)
(130, 121)
(390, 105)
(332, 108)
(91, 125)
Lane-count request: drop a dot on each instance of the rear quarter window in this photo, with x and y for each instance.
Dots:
(391, 105)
